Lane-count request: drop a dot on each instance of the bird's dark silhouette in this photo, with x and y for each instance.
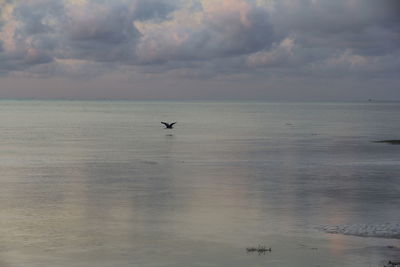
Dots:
(168, 125)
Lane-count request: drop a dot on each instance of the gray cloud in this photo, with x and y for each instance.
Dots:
(213, 32)
(366, 27)
(97, 33)
(154, 9)
(201, 39)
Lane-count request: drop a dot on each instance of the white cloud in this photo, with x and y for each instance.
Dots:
(278, 55)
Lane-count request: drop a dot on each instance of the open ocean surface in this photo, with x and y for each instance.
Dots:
(101, 184)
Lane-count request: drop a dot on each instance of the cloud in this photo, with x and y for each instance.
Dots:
(360, 66)
(200, 38)
(280, 54)
(99, 32)
(107, 31)
(25, 37)
(365, 26)
(219, 29)
(154, 9)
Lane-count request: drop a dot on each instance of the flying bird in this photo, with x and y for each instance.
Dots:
(168, 125)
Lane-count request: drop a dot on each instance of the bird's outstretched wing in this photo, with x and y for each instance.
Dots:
(168, 125)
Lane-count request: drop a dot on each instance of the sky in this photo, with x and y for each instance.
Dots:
(285, 50)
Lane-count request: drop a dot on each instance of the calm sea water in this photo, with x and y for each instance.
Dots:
(103, 184)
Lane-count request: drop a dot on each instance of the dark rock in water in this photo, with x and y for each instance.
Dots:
(393, 264)
(393, 142)
(260, 249)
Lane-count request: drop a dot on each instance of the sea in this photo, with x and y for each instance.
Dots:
(103, 184)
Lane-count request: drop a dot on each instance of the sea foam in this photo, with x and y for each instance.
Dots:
(387, 230)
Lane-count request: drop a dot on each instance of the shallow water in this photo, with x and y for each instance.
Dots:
(103, 184)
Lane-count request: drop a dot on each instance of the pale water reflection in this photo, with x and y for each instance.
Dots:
(103, 184)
